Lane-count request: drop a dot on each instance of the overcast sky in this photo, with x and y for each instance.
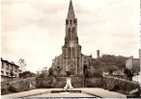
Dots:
(35, 29)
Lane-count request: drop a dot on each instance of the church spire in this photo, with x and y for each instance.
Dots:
(71, 38)
(71, 13)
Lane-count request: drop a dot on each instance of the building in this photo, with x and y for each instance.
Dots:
(9, 70)
(138, 77)
(71, 61)
(133, 64)
(140, 58)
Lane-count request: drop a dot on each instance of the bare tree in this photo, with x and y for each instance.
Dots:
(22, 64)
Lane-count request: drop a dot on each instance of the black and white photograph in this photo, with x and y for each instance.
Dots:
(70, 49)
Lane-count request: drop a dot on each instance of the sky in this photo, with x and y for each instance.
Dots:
(35, 29)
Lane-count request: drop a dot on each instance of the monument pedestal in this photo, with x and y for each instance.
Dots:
(68, 83)
(68, 87)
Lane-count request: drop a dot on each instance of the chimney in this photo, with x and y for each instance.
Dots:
(98, 54)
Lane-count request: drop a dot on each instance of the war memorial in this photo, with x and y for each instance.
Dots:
(72, 74)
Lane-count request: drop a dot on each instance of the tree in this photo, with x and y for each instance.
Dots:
(22, 64)
(45, 73)
(50, 72)
(128, 73)
(110, 62)
(26, 74)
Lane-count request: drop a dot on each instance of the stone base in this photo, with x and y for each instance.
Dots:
(69, 90)
(76, 81)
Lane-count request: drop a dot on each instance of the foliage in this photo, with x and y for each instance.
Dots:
(110, 63)
(91, 72)
(50, 71)
(46, 73)
(22, 64)
(115, 60)
(106, 63)
(128, 73)
(26, 74)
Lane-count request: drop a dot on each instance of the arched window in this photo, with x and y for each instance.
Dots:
(70, 21)
(69, 30)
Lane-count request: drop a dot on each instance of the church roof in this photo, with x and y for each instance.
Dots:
(71, 13)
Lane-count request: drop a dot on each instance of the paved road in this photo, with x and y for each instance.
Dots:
(85, 92)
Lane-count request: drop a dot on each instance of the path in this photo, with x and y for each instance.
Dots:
(85, 92)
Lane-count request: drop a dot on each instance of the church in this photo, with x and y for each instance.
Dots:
(71, 61)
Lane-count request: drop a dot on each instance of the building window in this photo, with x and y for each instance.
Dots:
(2, 65)
(75, 21)
(7, 73)
(66, 22)
(70, 21)
(2, 72)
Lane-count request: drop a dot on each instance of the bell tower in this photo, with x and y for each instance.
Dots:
(71, 50)
(71, 38)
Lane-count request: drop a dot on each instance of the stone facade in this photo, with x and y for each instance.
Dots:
(71, 60)
(108, 83)
(133, 64)
(9, 70)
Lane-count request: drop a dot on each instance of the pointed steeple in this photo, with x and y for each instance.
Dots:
(71, 13)
(71, 38)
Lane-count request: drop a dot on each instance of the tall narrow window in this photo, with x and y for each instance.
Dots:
(7, 66)
(70, 21)
(2, 64)
(69, 30)
(66, 22)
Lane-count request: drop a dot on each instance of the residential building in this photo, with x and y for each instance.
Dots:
(140, 58)
(9, 70)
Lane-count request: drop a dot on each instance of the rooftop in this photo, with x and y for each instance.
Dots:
(11, 63)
